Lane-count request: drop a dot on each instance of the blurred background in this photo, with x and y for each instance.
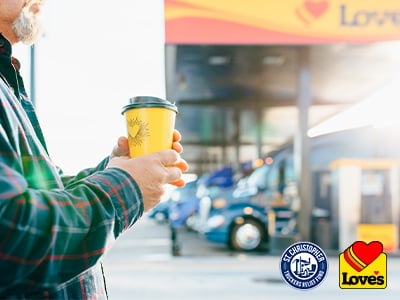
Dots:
(291, 132)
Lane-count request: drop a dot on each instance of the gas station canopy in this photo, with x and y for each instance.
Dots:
(250, 76)
(231, 56)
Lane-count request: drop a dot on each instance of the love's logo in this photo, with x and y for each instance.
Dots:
(360, 255)
(310, 10)
(363, 266)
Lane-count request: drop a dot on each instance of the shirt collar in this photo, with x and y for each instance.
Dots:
(6, 49)
(9, 68)
(5, 46)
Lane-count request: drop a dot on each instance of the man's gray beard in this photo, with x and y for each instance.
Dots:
(27, 27)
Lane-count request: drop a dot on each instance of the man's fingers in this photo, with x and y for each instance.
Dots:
(123, 144)
(177, 136)
(178, 183)
(122, 148)
(174, 166)
(173, 174)
(177, 147)
(168, 157)
(182, 165)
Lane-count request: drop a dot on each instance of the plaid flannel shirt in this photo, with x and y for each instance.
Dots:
(53, 230)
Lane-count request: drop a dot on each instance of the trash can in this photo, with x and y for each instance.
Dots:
(281, 235)
(321, 228)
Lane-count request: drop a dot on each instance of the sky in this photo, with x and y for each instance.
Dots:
(94, 56)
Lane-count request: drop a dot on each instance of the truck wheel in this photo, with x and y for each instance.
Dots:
(247, 236)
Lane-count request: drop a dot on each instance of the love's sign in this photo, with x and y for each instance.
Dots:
(283, 22)
(363, 266)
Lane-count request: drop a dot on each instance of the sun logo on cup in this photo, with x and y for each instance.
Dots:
(138, 131)
(363, 266)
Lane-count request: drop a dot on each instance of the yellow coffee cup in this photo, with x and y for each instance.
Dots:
(150, 122)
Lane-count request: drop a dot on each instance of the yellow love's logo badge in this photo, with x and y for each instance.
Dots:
(363, 266)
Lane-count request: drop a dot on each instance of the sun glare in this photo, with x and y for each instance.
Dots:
(379, 110)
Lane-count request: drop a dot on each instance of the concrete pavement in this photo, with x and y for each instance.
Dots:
(140, 266)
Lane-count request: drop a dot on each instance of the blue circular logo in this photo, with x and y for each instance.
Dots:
(304, 265)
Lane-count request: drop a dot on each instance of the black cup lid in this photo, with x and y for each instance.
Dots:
(149, 101)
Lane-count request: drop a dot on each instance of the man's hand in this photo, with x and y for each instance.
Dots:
(151, 173)
(122, 147)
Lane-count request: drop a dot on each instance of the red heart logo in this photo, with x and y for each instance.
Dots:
(367, 253)
(376, 272)
(317, 9)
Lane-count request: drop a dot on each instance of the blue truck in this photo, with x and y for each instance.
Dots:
(183, 204)
(239, 217)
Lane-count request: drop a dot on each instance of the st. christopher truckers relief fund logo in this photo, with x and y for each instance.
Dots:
(304, 265)
(363, 266)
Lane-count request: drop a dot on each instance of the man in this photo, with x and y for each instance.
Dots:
(54, 230)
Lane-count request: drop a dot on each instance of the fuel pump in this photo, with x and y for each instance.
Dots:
(365, 204)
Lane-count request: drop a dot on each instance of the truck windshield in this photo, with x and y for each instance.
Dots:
(258, 178)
